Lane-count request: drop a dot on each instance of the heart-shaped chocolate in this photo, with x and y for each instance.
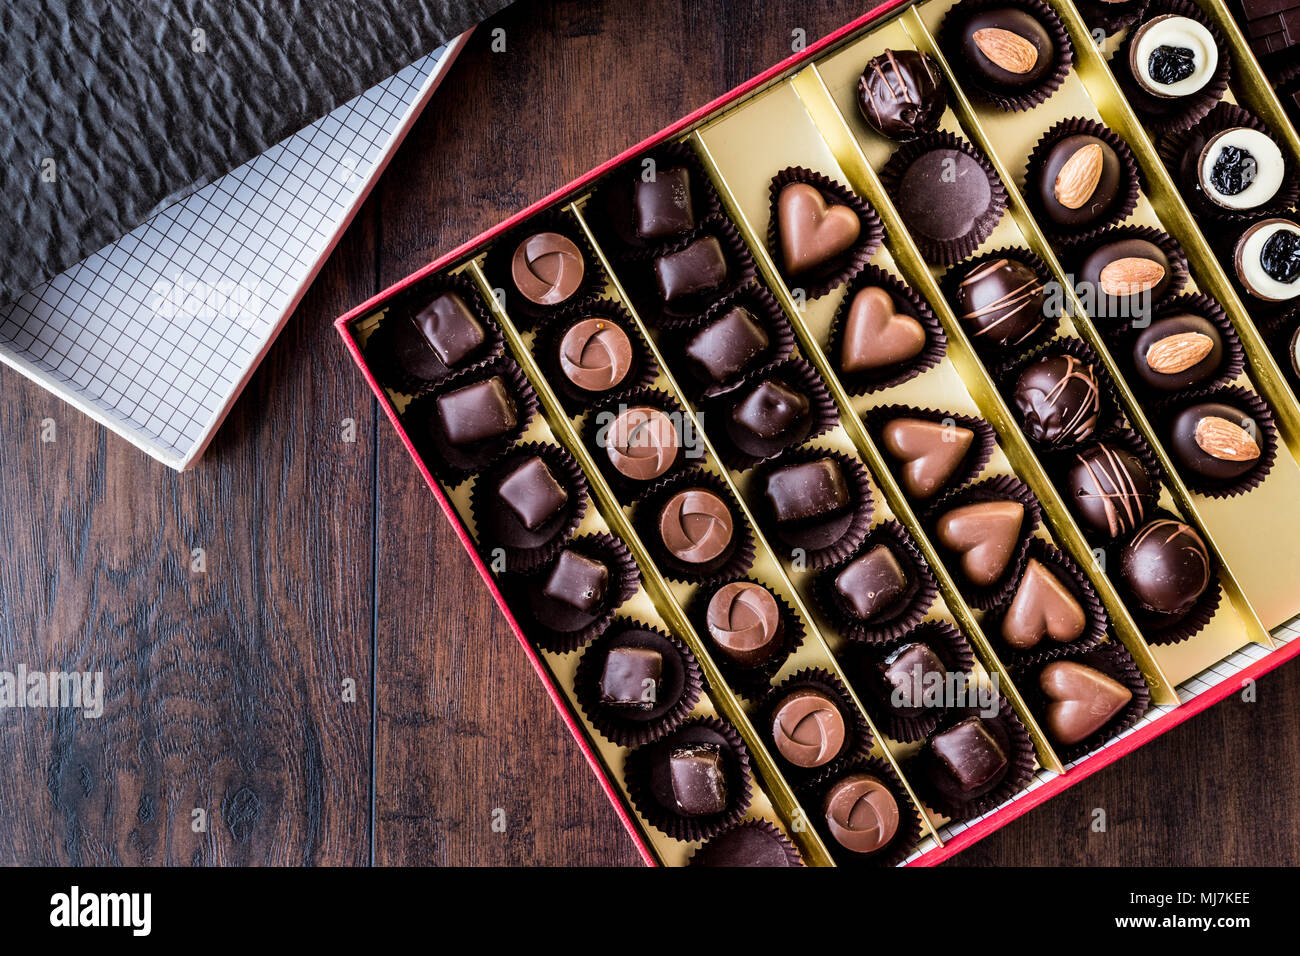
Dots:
(812, 230)
(1042, 607)
(985, 535)
(930, 452)
(875, 335)
(1083, 700)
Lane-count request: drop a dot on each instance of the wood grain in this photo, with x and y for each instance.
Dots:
(329, 561)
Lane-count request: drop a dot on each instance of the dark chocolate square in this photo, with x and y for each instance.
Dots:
(810, 489)
(663, 205)
(970, 754)
(699, 779)
(477, 412)
(771, 409)
(632, 677)
(871, 583)
(531, 492)
(907, 672)
(725, 347)
(700, 267)
(450, 329)
(577, 581)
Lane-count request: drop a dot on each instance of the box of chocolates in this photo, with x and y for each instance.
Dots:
(895, 441)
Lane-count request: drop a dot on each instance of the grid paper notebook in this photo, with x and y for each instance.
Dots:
(156, 334)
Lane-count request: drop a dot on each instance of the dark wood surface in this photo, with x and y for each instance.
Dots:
(328, 561)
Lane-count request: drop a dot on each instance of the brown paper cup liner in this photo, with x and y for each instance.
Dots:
(695, 381)
(1249, 402)
(715, 851)
(1181, 153)
(997, 488)
(381, 347)
(1110, 416)
(749, 681)
(734, 562)
(899, 618)
(497, 525)
(1099, 15)
(972, 464)
(1279, 333)
(643, 287)
(906, 302)
(452, 463)
(944, 252)
(641, 374)
(651, 792)
(557, 627)
(1165, 115)
(858, 739)
(741, 449)
(610, 211)
(823, 541)
(820, 280)
(936, 788)
(1163, 629)
(1113, 305)
(1225, 241)
(863, 666)
(1112, 660)
(628, 727)
(950, 36)
(496, 266)
(1121, 207)
(989, 351)
(1058, 465)
(813, 797)
(595, 430)
(1076, 582)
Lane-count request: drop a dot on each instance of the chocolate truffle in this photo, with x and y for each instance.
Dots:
(700, 267)
(438, 338)
(907, 671)
(769, 412)
(1079, 182)
(806, 491)
(632, 677)
(877, 335)
(595, 355)
(754, 843)
(1006, 50)
(696, 526)
(808, 728)
(985, 534)
(1166, 567)
(930, 453)
(1058, 400)
(902, 95)
(1238, 168)
(1001, 301)
(1267, 260)
(577, 581)
(477, 412)
(547, 268)
(1082, 700)
(531, 493)
(1042, 607)
(812, 231)
(662, 204)
(699, 779)
(970, 755)
(861, 813)
(1124, 278)
(642, 442)
(745, 624)
(1215, 441)
(872, 583)
(944, 194)
(1172, 56)
(1110, 489)
(727, 345)
(1178, 352)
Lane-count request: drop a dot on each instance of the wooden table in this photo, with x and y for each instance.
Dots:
(329, 567)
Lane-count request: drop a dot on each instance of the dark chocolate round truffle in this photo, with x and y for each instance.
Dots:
(1007, 50)
(1166, 567)
(1110, 490)
(1058, 399)
(902, 94)
(1001, 301)
(1178, 352)
(944, 194)
(1124, 278)
(1215, 441)
(1080, 181)
(1267, 260)
(752, 843)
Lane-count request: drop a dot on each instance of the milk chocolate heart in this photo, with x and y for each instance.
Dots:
(1083, 700)
(985, 535)
(931, 452)
(1042, 607)
(875, 335)
(812, 231)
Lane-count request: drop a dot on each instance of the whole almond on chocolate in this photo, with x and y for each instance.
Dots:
(1179, 352)
(1215, 442)
(1006, 51)
(1220, 438)
(1130, 276)
(1125, 267)
(1078, 178)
